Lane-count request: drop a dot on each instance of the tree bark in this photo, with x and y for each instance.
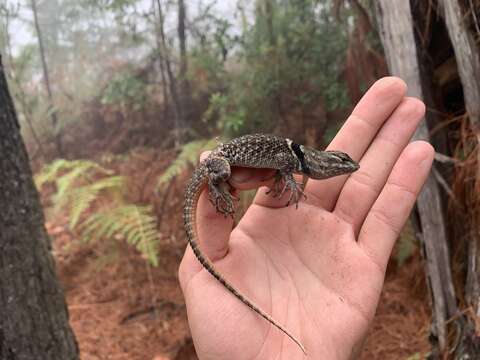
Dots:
(467, 56)
(34, 321)
(177, 109)
(396, 30)
(185, 90)
(46, 79)
(7, 51)
(182, 39)
(265, 12)
(161, 62)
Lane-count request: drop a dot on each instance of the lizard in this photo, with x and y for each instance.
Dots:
(257, 151)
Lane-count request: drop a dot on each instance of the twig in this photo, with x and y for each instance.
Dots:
(475, 20)
(444, 159)
(443, 183)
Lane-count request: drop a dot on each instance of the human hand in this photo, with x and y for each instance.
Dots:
(318, 270)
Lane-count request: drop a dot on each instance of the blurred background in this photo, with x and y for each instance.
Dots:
(117, 99)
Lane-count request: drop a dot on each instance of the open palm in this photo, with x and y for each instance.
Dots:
(318, 270)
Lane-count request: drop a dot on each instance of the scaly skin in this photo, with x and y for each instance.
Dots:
(256, 151)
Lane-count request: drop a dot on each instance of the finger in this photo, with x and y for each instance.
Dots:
(213, 232)
(392, 208)
(213, 229)
(243, 178)
(359, 130)
(250, 178)
(363, 187)
(204, 155)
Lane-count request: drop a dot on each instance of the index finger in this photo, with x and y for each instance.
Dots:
(355, 136)
(213, 228)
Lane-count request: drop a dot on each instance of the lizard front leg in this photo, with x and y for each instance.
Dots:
(218, 173)
(284, 181)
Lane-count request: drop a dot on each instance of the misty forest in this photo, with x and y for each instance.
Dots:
(106, 107)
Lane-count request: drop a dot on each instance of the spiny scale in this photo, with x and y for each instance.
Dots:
(255, 151)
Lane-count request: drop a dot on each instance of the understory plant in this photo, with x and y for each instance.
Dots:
(95, 201)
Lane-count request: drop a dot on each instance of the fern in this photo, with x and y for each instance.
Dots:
(80, 199)
(135, 223)
(188, 156)
(51, 173)
(80, 184)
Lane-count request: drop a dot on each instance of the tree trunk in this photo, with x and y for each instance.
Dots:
(182, 39)
(265, 12)
(177, 109)
(161, 62)
(396, 30)
(467, 56)
(7, 51)
(46, 79)
(34, 321)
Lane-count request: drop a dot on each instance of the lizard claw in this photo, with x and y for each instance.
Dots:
(296, 192)
(287, 182)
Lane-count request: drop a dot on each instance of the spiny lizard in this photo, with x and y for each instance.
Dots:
(257, 151)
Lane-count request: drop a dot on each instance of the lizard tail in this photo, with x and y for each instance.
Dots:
(193, 191)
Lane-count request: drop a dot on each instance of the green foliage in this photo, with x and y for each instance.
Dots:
(231, 118)
(209, 53)
(111, 4)
(126, 90)
(65, 172)
(83, 185)
(79, 199)
(188, 156)
(294, 52)
(135, 224)
(418, 356)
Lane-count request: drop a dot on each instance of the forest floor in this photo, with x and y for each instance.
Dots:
(122, 309)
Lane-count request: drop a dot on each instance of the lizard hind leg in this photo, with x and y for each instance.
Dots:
(218, 173)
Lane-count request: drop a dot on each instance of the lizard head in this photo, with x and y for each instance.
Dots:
(324, 164)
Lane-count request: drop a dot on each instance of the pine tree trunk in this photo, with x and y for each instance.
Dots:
(182, 73)
(396, 29)
(172, 81)
(161, 62)
(46, 79)
(467, 55)
(10, 64)
(34, 318)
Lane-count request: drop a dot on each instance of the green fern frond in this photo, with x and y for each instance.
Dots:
(188, 156)
(80, 184)
(80, 199)
(51, 172)
(83, 172)
(135, 223)
(77, 185)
